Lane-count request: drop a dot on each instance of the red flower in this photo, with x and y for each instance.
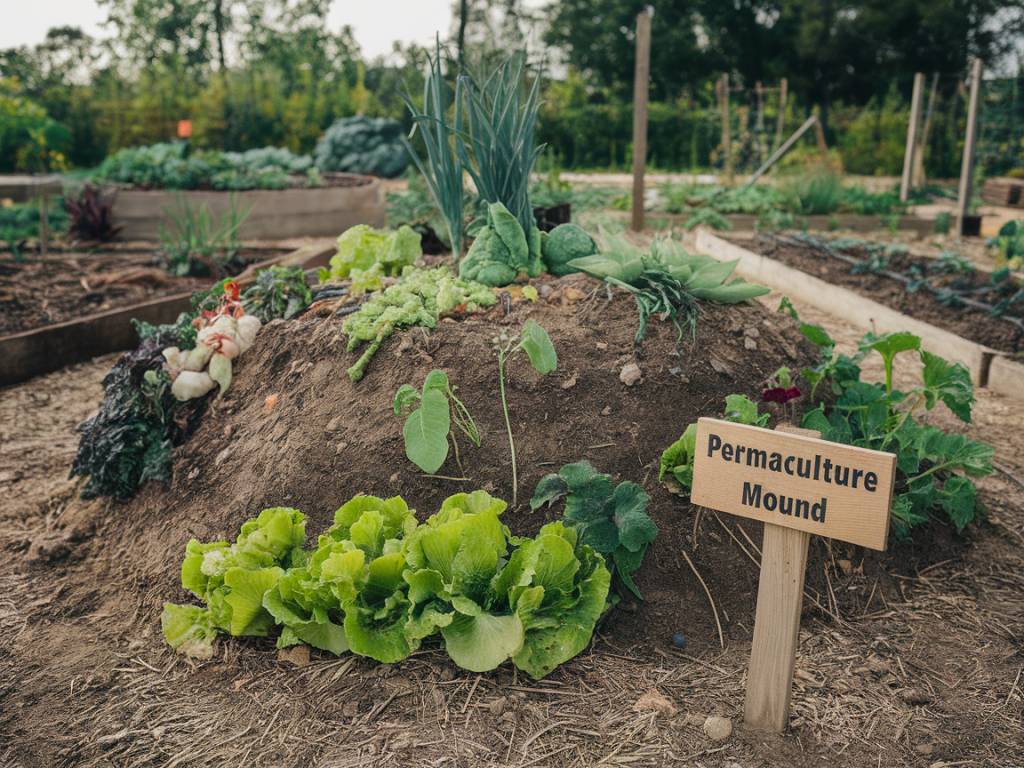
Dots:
(232, 290)
(780, 395)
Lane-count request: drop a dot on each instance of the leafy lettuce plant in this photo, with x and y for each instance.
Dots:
(430, 414)
(676, 466)
(535, 342)
(231, 580)
(366, 255)
(379, 584)
(610, 518)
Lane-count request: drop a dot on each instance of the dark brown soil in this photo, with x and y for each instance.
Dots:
(967, 322)
(39, 292)
(905, 659)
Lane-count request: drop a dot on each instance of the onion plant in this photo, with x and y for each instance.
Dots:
(442, 170)
(498, 150)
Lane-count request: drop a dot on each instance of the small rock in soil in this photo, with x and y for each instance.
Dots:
(752, 333)
(601, 345)
(334, 424)
(630, 374)
(915, 697)
(222, 456)
(606, 411)
(924, 748)
(570, 382)
(297, 655)
(497, 707)
(720, 366)
(749, 344)
(718, 728)
(655, 701)
(270, 402)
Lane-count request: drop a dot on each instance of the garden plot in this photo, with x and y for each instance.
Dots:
(948, 292)
(293, 431)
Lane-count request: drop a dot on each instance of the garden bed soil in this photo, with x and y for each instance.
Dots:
(39, 292)
(974, 325)
(89, 578)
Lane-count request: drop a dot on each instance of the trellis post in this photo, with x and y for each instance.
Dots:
(642, 76)
(912, 123)
(970, 140)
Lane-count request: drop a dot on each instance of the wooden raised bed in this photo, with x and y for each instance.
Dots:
(745, 222)
(989, 368)
(274, 214)
(42, 350)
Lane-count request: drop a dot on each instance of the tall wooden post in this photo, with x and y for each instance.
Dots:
(912, 123)
(642, 76)
(917, 176)
(723, 95)
(780, 119)
(970, 139)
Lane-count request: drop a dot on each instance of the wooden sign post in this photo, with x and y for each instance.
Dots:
(797, 484)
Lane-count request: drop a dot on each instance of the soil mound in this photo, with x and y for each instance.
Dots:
(293, 430)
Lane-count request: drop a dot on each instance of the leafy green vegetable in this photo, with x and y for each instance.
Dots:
(420, 297)
(428, 424)
(366, 254)
(278, 293)
(359, 144)
(378, 584)
(501, 250)
(667, 281)
(533, 340)
(563, 244)
(933, 467)
(611, 519)
(129, 440)
(677, 460)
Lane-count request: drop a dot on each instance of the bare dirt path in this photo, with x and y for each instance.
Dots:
(927, 673)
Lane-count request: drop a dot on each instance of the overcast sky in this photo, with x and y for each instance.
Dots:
(377, 23)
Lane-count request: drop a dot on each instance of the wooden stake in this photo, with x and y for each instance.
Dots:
(917, 176)
(780, 119)
(642, 76)
(967, 162)
(912, 123)
(780, 593)
(723, 85)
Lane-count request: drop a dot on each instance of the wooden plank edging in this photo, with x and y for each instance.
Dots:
(43, 350)
(851, 306)
(1006, 376)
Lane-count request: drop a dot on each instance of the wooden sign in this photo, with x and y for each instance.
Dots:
(795, 481)
(797, 484)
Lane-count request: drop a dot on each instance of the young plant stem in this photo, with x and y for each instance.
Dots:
(502, 353)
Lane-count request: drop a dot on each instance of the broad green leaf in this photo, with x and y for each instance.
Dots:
(549, 490)
(304, 626)
(817, 335)
(743, 410)
(680, 453)
(426, 432)
(636, 529)
(247, 588)
(948, 382)
(959, 500)
(380, 637)
(189, 629)
(481, 643)
(538, 347)
(626, 564)
(438, 380)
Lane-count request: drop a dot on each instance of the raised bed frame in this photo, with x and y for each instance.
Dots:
(990, 368)
(42, 350)
(274, 214)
